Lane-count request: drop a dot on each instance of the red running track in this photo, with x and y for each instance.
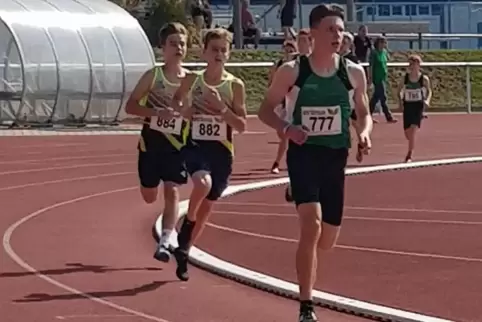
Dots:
(100, 246)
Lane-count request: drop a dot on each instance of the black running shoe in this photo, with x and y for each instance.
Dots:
(307, 312)
(181, 257)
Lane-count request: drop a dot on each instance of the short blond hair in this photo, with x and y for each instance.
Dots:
(171, 28)
(217, 33)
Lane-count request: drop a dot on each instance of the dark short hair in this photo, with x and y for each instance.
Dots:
(379, 40)
(321, 11)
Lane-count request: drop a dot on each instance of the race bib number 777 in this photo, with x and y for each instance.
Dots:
(321, 120)
(208, 128)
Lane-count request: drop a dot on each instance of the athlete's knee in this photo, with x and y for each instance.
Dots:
(202, 181)
(149, 194)
(171, 192)
(329, 236)
(310, 224)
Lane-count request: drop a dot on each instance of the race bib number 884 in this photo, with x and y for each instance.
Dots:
(208, 128)
(321, 120)
(170, 126)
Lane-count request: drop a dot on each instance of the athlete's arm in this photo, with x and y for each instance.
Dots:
(401, 88)
(283, 80)
(236, 117)
(360, 98)
(141, 90)
(180, 99)
(428, 88)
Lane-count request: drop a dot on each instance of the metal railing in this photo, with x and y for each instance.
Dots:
(466, 65)
(12, 92)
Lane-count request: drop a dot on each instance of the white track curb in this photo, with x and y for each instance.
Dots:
(287, 289)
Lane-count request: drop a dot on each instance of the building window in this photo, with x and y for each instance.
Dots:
(397, 10)
(424, 10)
(384, 10)
(410, 10)
(436, 9)
(371, 11)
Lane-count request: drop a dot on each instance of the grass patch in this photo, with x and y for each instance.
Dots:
(448, 83)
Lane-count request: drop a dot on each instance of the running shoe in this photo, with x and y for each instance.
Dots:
(162, 253)
(408, 157)
(181, 257)
(307, 312)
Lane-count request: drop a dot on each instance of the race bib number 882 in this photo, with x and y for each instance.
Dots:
(321, 120)
(208, 128)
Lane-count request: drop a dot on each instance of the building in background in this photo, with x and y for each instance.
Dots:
(444, 17)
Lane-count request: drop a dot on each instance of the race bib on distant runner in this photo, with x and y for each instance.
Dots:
(209, 128)
(168, 126)
(321, 120)
(413, 95)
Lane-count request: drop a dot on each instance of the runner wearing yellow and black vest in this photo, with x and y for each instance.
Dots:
(415, 95)
(164, 132)
(217, 109)
(318, 127)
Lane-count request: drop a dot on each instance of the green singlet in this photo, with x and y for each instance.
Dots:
(322, 105)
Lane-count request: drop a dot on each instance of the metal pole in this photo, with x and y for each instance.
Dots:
(350, 10)
(300, 14)
(238, 28)
(468, 89)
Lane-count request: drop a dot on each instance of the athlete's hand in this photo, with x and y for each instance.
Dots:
(426, 104)
(364, 142)
(214, 102)
(296, 134)
(167, 113)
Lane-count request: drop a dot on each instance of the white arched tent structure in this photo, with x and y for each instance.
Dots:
(68, 59)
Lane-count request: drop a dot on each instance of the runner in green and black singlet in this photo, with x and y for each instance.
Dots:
(415, 96)
(317, 90)
(164, 132)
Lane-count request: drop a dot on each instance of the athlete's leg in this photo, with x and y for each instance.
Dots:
(149, 175)
(332, 195)
(302, 169)
(282, 147)
(221, 171)
(412, 119)
(173, 174)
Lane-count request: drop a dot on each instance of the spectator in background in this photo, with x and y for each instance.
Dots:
(287, 15)
(346, 49)
(207, 14)
(250, 30)
(363, 44)
(378, 76)
(304, 41)
(195, 11)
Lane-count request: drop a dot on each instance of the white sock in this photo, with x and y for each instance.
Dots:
(165, 235)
